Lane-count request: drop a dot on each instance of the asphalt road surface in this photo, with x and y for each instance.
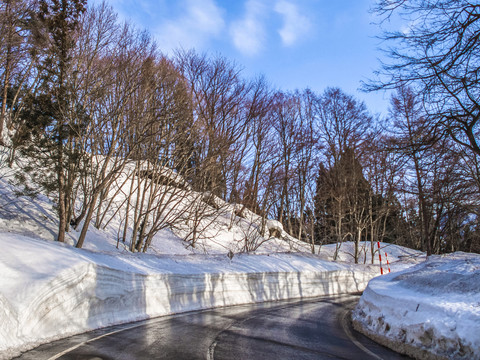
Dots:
(310, 329)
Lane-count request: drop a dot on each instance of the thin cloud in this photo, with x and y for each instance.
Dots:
(295, 25)
(249, 34)
(200, 21)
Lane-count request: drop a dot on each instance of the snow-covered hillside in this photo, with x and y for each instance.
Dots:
(220, 231)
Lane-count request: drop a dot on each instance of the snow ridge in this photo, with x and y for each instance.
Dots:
(90, 290)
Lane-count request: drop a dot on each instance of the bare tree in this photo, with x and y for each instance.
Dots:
(410, 137)
(439, 188)
(306, 158)
(384, 170)
(287, 126)
(261, 151)
(439, 54)
(342, 208)
(343, 122)
(16, 24)
(250, 145)
(220, 113)
(113, 120)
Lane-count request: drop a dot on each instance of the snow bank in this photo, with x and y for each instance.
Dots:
(51, 290)
(429, 311)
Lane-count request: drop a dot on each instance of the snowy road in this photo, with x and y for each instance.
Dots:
(309, 329)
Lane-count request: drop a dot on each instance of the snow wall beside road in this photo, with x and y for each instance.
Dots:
(89, 294)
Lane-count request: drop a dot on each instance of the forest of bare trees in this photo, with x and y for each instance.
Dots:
(96, 108)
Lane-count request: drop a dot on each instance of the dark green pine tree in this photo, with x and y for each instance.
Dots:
(53, 115)
(342, 201)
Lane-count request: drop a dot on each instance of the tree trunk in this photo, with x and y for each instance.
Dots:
(8, 65)
(88, 218)
(62, 216)
(357, 243)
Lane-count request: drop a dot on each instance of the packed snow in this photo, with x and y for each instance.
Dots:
(431, 309)
(51, 290)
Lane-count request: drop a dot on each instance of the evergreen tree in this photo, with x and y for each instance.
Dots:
(53, 113)
(342, 201)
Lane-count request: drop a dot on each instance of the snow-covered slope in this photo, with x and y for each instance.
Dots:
(431, 310)
(398, 257)
(218, 233)
(51, 290)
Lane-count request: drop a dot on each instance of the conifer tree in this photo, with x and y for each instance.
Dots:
(53, 112)
(342, 200)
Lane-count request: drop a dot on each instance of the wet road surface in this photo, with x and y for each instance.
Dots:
(316, 328)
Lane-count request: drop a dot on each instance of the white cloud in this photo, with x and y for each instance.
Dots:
(407, 29)
(294, 23)
(200, 21)
(249, 33)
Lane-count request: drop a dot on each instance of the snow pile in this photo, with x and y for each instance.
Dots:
(51, 290)
(431, 310)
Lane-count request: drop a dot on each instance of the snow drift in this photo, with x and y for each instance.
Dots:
(429, 311)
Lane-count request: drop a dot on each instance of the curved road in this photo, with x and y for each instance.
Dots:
(309, 329)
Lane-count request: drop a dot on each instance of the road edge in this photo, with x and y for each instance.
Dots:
(398, 346)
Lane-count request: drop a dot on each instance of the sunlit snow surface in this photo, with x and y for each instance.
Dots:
(433, 306)
(50, 290)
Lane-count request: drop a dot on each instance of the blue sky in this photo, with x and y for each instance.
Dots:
(294, 43)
